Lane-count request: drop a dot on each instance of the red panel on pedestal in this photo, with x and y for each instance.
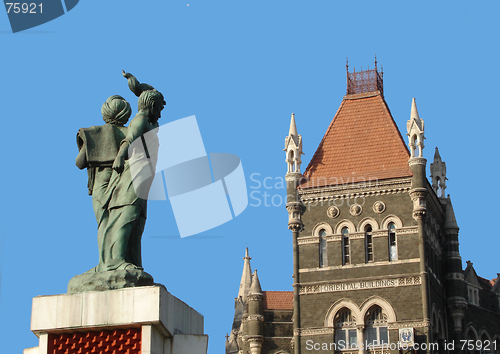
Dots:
(120, 341)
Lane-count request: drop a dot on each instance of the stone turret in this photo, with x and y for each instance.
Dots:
(232, 345)
(295, 208)
(417, 162)
(418, 193)
(455, 286)
(438, 175)
(293, 149)
(255, 320)
(415, 128)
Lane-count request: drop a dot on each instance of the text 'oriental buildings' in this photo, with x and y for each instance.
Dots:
(377, 263)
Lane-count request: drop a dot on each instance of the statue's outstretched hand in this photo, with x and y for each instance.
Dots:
(118, 164)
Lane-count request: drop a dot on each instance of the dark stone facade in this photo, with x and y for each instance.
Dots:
(387, 268)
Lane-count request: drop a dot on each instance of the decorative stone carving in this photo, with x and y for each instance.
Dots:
(379, 207)
(295, 211)
(355, 209)
(333, 212)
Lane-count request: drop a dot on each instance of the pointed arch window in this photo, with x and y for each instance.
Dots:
(346, 248)
(345, 329)
(393, 247)
(439, 191)
(376, 333)
(368, 244)
(291, 162)
(471, 338)
(485, 344)
(323, 260)
(413, 146)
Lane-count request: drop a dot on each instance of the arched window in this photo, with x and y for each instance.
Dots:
(413, 146)
(393, 247)
(346, 254)
(439, 187)
(485, 348)
(323, 260)
(435, 328)
(291, 162)
(471, 338)
(368, 244)
(376, 327)
(345, 329)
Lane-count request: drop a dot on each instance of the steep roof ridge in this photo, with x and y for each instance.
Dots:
(397, 128)
(324, 136)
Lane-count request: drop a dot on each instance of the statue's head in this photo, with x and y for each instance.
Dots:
(152, 101)
(116, 110)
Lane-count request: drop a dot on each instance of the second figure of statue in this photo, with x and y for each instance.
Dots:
(116, 158)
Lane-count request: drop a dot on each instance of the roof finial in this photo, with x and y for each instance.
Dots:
(293, 126)
(246, 254)
(347, 64)
(375, 61)
(414, 112)
(246, 277)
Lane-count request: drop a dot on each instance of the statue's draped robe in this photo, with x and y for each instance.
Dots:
(120, 213)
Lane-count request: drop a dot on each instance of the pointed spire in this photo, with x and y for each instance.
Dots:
(438, 175)
(293, 148)
(255, 289)
(293, 127)
(415, 129)
(246, 277)
(437, 157)
(414, 111)
(450, 222)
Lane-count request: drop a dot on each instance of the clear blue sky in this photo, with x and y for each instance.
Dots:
(242, 67)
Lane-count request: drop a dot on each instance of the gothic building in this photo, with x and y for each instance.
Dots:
(377, 266)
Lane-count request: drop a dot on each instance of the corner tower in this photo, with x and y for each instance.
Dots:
(232, 345)
(356, 251)
(295, 208)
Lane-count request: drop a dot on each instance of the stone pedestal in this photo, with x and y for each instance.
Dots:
(142, 320)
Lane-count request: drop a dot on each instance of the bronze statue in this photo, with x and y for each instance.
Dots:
(120, 163)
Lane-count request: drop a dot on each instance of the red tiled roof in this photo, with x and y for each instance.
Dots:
(278, 300)
(362, 143)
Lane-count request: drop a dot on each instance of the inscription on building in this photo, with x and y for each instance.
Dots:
(359, 285)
